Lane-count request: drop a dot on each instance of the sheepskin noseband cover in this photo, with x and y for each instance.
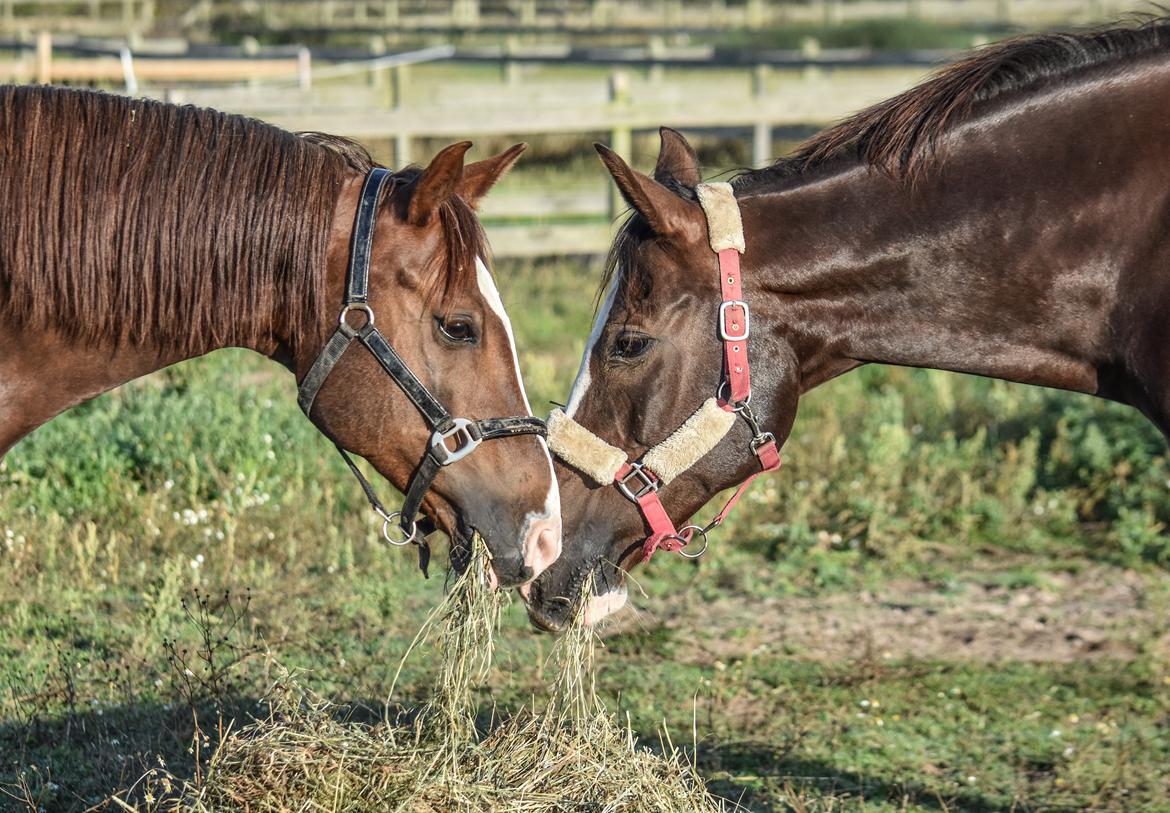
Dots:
(583, 450)
(592, 456)
(724, 224)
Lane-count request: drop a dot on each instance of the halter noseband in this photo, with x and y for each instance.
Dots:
(464, 433)
(640, 481)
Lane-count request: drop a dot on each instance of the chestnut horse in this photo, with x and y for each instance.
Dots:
(1009, 218)
(139, 234)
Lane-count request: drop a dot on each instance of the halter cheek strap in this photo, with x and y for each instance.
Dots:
(640, 481)
(452, 438)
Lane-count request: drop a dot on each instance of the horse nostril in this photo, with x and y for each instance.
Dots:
(542, 547)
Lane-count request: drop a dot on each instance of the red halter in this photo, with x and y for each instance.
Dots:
(638, 481)
(734, 330)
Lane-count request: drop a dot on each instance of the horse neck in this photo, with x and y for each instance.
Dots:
(1005, 261)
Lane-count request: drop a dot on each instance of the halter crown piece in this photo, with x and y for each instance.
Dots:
(464, 434)
(641, 480)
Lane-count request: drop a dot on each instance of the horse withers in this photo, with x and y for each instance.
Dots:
(1009, 218)
(138, 234)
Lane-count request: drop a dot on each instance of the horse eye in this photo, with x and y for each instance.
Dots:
(457, 330)
(630, 346)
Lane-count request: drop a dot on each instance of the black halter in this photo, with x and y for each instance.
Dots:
(465, 434)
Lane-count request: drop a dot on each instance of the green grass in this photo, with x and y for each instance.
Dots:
(900, 487)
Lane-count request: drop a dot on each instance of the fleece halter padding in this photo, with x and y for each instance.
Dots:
(591, 455)
(583, 450)
(724, 224)
(690, 442)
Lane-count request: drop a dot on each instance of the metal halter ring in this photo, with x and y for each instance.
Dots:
(356, 306)
(388, 519)
(694, 529)
(741, 405)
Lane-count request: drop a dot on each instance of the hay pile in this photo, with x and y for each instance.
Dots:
(571, 756)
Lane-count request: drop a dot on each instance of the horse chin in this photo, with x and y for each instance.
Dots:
(460, 548)
(604, 605)
(552, 611)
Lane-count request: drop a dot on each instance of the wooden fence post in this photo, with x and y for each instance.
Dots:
(399, 80)
(600, 13)
(762, 131)
(512, 70)
(304, 69)
(754, 13)
(718, 13)
(832, 12)
(390, 12)
(401, 150)
(672, 13)
(621, 138)
(810, 48)
(656, 48)
(44, 57)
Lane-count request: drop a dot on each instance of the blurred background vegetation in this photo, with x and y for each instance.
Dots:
(954, 596)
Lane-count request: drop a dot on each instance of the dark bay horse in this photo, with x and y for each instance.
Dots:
(138, 234)
(1010, 218)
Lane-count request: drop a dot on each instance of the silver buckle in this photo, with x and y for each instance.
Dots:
(466, 439)
(648, 483)
(747, 320)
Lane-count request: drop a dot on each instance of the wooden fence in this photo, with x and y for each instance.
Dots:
(138, 17)
(546, 221)
(611, 15)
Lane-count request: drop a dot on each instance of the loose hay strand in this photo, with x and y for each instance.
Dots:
(569, 756)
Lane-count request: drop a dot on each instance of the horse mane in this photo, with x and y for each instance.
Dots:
(130, 220)
(900, 136)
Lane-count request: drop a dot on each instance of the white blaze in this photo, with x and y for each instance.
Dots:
(491, 294)
(584, 378)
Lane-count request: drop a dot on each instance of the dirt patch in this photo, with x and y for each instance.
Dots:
(1099, 612)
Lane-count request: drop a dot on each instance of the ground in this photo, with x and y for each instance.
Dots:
(954, 597)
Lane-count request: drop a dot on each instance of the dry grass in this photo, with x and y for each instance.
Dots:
(571, 756)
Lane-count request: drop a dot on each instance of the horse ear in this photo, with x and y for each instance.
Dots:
(480, 177)
(668, 214)
(676, 160)
(437, 183)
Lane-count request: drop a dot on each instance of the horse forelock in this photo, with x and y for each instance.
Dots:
(464, 242)
(631, 280)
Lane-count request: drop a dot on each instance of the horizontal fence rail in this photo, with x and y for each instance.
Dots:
(652, 15)
(121, 17)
